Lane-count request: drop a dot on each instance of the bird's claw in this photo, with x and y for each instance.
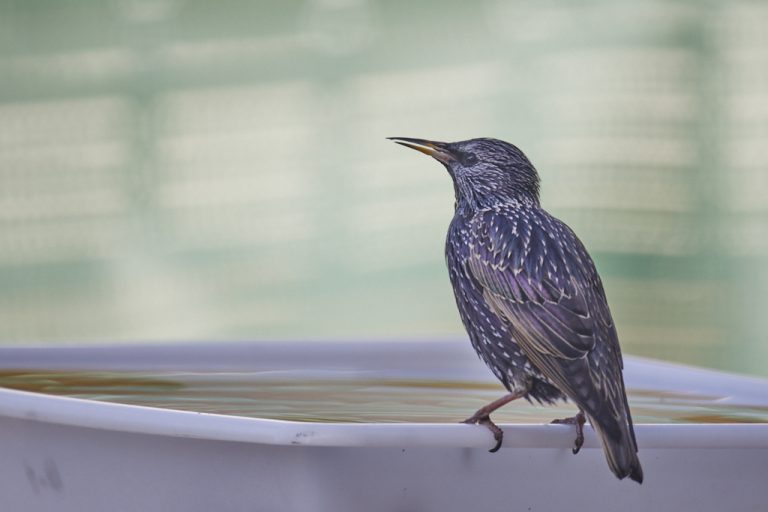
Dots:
(483, 416)
(577, 444)
(579, 421)
(485, 421)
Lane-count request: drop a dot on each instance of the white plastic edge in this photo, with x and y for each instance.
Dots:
(166, 422)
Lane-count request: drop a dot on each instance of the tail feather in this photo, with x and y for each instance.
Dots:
(621, 453)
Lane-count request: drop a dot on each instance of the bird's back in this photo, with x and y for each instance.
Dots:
(490, 334)
(527, 288)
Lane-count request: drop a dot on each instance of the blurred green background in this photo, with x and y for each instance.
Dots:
(176, 170)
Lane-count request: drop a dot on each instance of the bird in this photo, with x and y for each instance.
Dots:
(530, 298)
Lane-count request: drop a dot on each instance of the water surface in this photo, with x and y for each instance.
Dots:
(336, 397)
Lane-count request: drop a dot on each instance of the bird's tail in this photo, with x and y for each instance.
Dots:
(621, 451)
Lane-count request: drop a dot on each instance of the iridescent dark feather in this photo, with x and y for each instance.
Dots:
(545, 284)
(529, 295)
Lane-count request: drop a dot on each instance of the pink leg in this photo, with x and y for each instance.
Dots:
(579, 421)
(483, 417)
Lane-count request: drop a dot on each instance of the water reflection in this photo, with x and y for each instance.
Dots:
(335, 399)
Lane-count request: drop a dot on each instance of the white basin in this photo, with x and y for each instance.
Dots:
(69, 454)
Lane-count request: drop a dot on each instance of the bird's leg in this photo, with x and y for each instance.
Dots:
(483, 417)
(579, 421)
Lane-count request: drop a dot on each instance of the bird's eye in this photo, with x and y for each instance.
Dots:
(468, 159)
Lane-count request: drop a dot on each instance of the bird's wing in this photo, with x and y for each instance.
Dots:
(535, 272)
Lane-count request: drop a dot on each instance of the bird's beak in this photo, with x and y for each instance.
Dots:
(437, 150)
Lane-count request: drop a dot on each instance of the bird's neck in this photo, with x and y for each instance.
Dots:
(473, 198)
(481, 191)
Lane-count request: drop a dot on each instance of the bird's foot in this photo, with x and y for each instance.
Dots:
(483, 416)
(485, 420)
(579, 421)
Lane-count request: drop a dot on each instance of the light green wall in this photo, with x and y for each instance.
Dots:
(210, 170)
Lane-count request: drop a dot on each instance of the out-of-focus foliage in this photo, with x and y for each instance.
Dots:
(192, 170)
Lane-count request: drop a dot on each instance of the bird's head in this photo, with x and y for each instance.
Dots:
(485, 172)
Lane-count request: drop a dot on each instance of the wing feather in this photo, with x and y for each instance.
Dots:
(536, 273)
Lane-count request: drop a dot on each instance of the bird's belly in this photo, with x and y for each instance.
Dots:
(491, 336)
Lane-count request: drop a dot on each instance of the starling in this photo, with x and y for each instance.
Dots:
(530, 297)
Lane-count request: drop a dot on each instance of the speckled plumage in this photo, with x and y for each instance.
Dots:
(529, 295)
(495, 238)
